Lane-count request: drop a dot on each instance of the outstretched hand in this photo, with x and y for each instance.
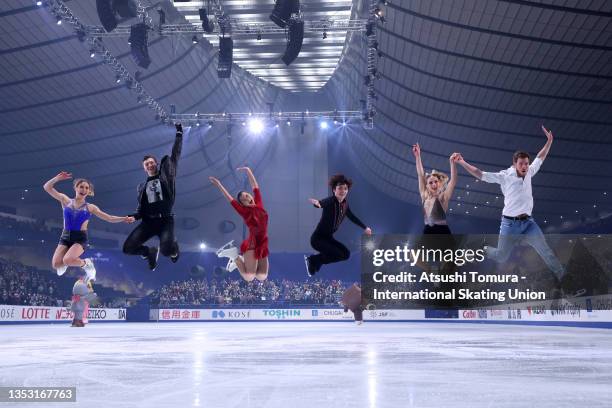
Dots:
(214, 180)
(245, 168)
(129, 219)
(548, 133)
(315, 202)
(63, 175)
(416, 150)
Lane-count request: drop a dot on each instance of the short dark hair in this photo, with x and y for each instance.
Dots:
(148, 156)
(519, 155)
(339, 179)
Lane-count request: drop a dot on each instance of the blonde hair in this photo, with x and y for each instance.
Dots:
(442, 178)
(79, 181)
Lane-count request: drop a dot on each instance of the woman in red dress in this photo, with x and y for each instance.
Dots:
(253, 264)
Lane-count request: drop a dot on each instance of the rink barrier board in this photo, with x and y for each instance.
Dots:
(528, 316)
(11, 314)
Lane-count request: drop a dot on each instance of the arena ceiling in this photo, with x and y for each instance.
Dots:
(474, 76)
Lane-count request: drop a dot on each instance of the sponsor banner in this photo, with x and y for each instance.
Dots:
(15, 313)
(563, 313)
(280, 314)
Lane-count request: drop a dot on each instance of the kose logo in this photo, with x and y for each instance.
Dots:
(239, 314)
(218, 314)
(7, 313)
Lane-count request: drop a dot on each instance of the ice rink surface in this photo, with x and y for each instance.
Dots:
(306, 365)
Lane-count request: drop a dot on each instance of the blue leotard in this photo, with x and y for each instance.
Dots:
(74, 218)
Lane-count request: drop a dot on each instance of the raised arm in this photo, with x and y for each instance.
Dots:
(49, 187)
(177, 146)
(416, 150)
(250, 175)
(95, 210)
(473, 170)
(544, 152)
(217, 183)
(450, 187)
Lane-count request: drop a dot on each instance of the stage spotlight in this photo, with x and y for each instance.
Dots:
(226, 52)
(80, 35)
(39, 3)
(59, 21)
(343, 123)
(194, 39)
(294, 45)
(206, 24)
(202, 245)
(323, 125)
(138, 45)
(210, 123)
(283, 10)
(118, 78)
(256, 126)
(288, 123)
(92, 53)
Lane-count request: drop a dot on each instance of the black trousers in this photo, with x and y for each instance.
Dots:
(330, 250)
(163, 228)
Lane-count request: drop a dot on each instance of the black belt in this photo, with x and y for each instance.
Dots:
(158, 215)
(521, 217)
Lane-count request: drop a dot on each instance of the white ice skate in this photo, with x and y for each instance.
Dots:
(228, 251)
(90, 270)
(61, 270)
(231, 266)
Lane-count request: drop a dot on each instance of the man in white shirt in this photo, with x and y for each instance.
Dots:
(515, 183)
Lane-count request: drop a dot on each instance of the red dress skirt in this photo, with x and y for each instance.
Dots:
(256, 219)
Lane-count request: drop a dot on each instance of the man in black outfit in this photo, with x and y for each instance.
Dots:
(155, 200)
(335, 208)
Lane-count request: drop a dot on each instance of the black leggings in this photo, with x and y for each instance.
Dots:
(148, 228)
(330, 250)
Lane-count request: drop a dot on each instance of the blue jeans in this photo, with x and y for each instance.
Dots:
(513, 232)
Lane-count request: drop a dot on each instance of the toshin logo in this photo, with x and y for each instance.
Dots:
(282, 313)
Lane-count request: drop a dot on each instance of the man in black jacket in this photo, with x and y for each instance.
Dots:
(335, 208)
(155, 200)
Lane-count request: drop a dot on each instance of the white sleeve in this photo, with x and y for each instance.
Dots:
(489, 177)
(535, 166)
